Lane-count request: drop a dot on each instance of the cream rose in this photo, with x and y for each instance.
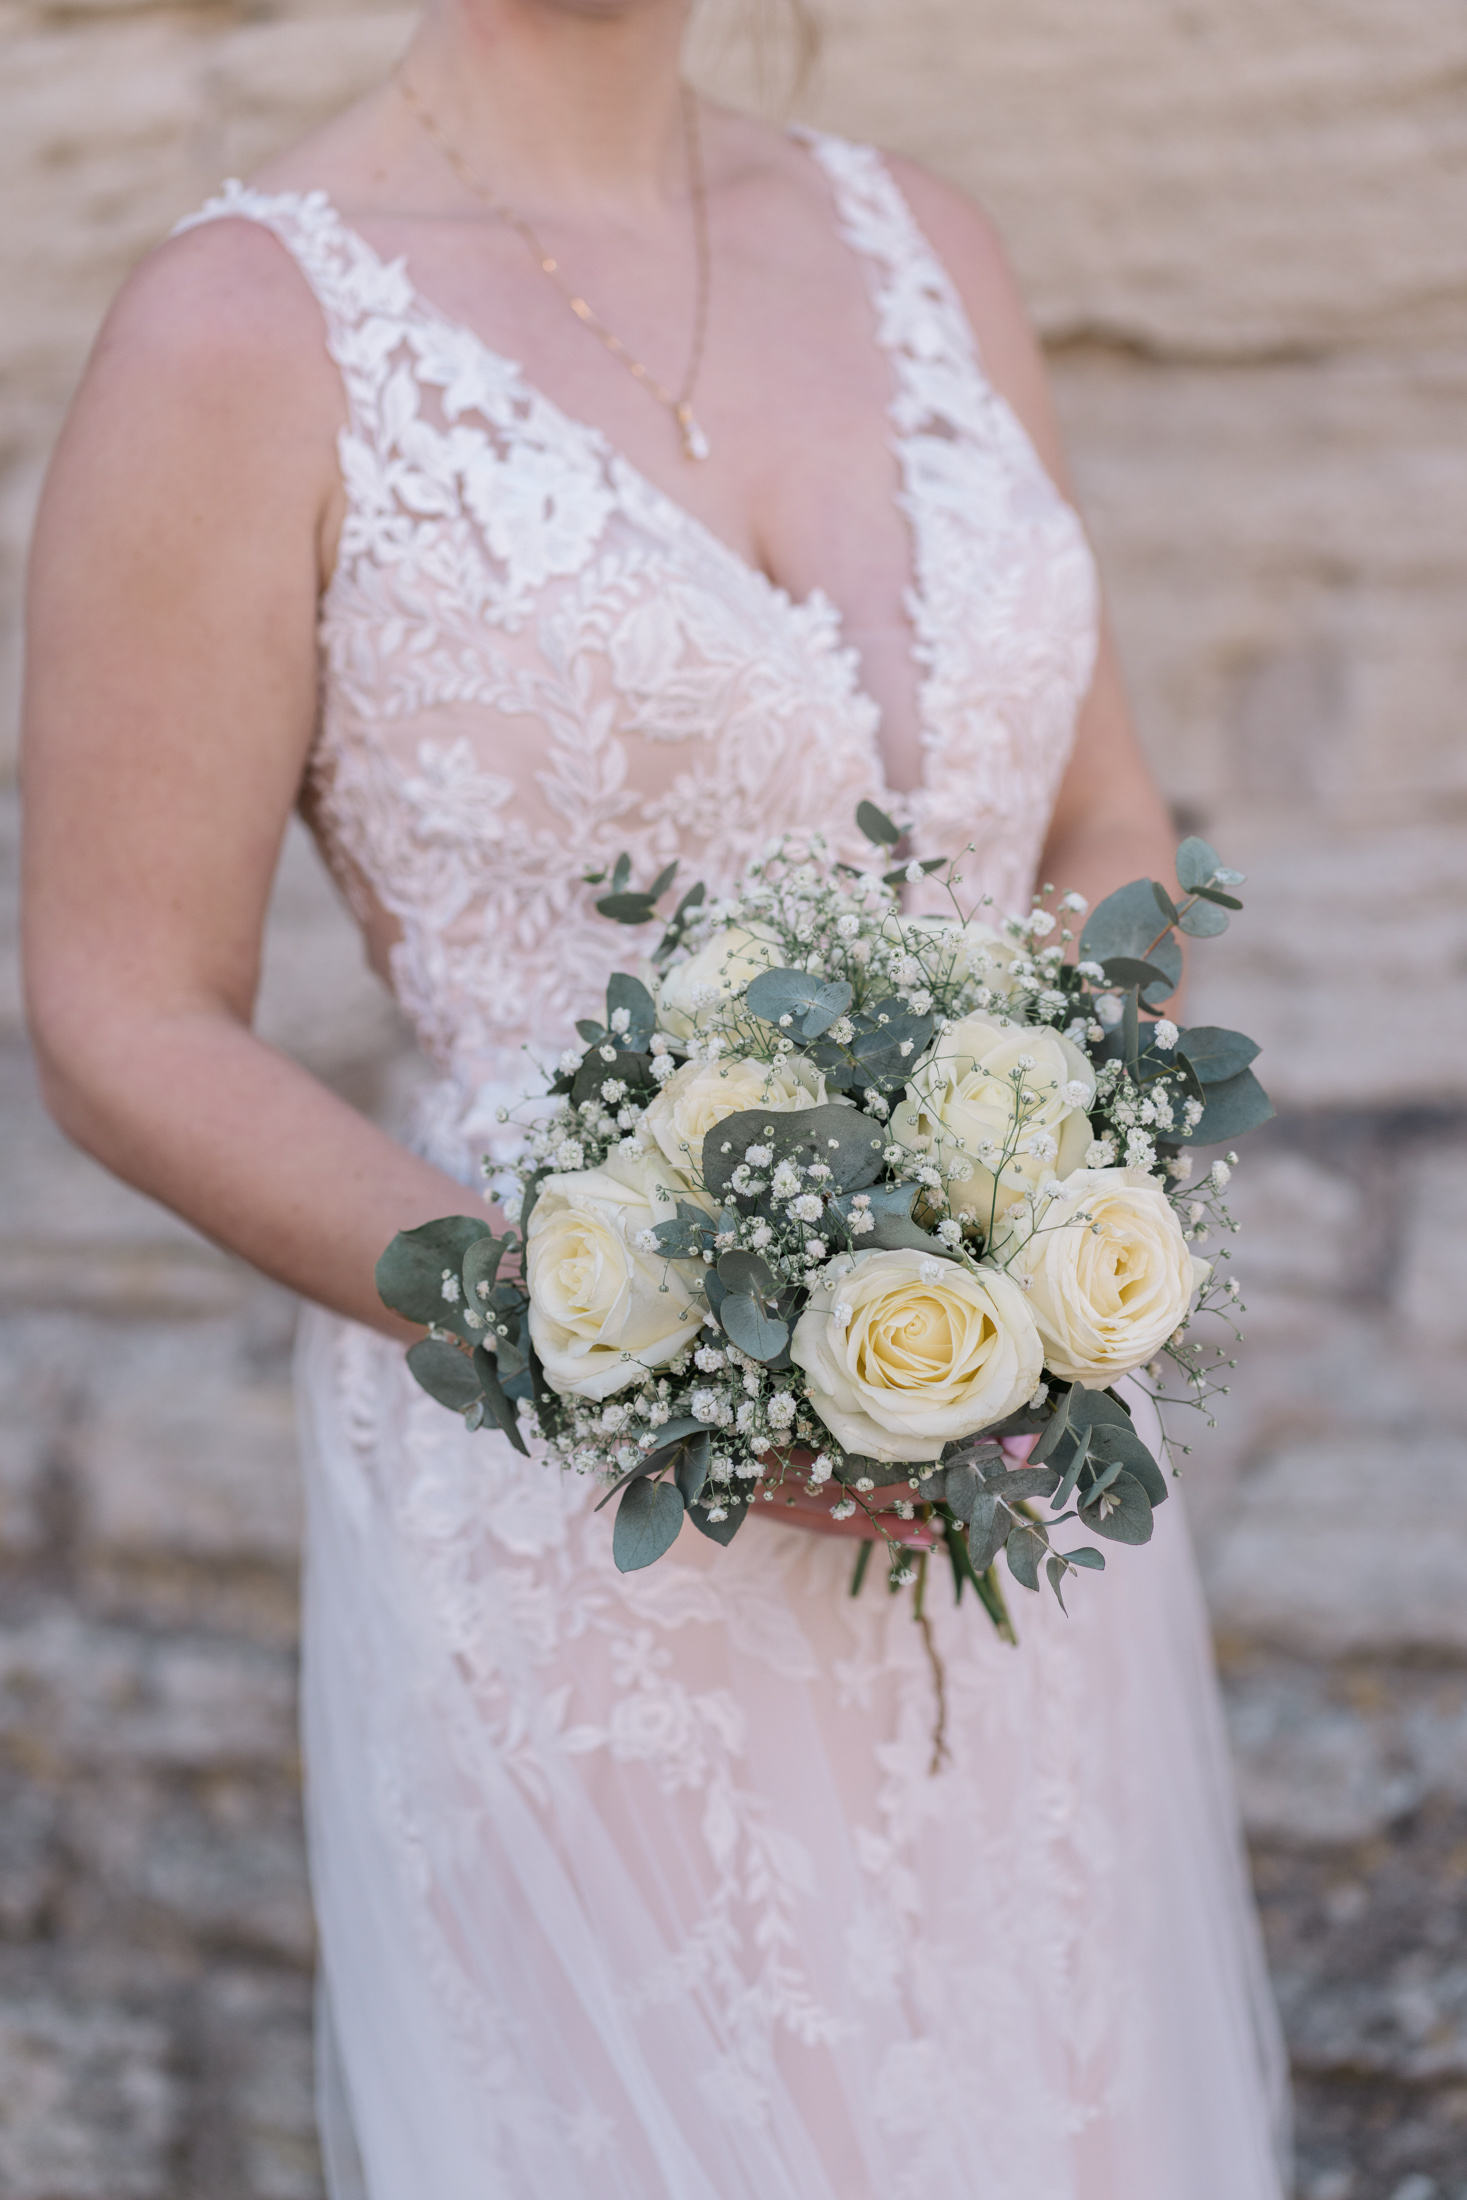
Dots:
(720, 969)
(595, 1296)
(701, 1094)
(902, 1352)
(1106, 1291)
(962, 1105)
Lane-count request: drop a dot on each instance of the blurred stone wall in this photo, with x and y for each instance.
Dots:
(1243, 227)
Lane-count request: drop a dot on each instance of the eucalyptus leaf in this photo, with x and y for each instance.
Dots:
(892, 1228)
(1237, 1105)
(1053, 1430)
(745, 1323)
(927, 866)
(663, 880)
(813, 1003)
(746, 1272)
(444, 1372)
(1164, 901)
(1214, 1053)
(621, 874)
(849, 1143)
(1024, 1550)
(1198, 864)
(594, 1072)
(1054, 1567)
(1215, 893)
(410, 1274)
(1111, 1446)
(1203, 921)
(719, 1531)
(1023, 1482)
(487, 1374)
(691, 1470)
(1127, 922)
(680, 1238)
(961, 1488)
(626, 908)
(988, 1531)
(647, 1523)
(877, 826)
(593, 1034)
(1087, 1556)
(1129, 970)
(630, 993)
(1123, 1515)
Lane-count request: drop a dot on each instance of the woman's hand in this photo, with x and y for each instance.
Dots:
(796, 1505)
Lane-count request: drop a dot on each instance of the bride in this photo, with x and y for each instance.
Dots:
(538, 463)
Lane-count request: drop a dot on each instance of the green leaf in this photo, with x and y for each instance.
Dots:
(481, 1265)
(630, 993)
(691, 1470)
(1202, 921)
(745, 1323)
(877, 826)
(662, 881)
(682, 1238)
(882, 1032)
(1088, 1557)
(1130, 1029)
(847, 1141)
(1215, 1054)
(410, 1272)
(647, 1523)
(1164, 902)
(892, 1226)
(593, 1034)
(501, 1407)
(1130, 1519)
(720, 1531)
(626, 908)
(988, 1532)
(1215, 893)
(928, 865)
(961, 1488)
(1129, 970)
(748, 1273)
(1125, 923)
(1237, 1105)
(812, 1003)
(1020, 1482)
(1197, 864)
(1054, 1428)
(622, 872)
(1054, 1567)
(444, 1372)
(1024, 1550)
(1112, 1446)
(593, 1072)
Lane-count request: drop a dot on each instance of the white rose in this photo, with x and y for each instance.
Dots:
(1107, 1293)
(903, 1353)
(701, 1094)
(964, 1098)
(720, 969)
(594, 1294)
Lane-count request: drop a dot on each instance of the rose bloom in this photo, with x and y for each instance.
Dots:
(701, 1094)
(1108, 1293)
(899, 1364)
(963, 1098)
(593, 1294)
(723, 966)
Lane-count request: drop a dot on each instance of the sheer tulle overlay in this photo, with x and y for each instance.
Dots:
(643, 1888)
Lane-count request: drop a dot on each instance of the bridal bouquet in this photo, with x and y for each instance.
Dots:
(845, 1198)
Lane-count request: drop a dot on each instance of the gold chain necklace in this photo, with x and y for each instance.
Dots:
(679, 403)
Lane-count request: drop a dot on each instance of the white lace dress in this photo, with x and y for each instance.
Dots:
(639, 1888)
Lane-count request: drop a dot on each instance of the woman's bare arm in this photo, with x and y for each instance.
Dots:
(170, 705)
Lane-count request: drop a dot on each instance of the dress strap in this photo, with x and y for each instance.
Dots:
(921, 322)
(365, 301)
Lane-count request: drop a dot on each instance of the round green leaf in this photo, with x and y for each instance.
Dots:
(647, 1523)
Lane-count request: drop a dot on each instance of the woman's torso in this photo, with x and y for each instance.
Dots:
(534, 658)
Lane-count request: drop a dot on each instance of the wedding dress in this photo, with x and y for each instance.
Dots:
(640, 1888)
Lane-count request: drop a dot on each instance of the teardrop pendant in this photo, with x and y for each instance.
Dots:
(695, 443)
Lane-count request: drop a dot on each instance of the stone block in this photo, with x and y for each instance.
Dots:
(218, 1861)
(259, 2027)
(90, 2107)
(1432, 1290)
(1349, 1545)
(75, 1694)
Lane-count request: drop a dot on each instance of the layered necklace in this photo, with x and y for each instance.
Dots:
(678, 402)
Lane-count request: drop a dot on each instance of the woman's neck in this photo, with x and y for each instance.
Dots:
(563, 103)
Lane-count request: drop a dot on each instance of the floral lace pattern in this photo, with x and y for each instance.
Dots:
(533, 659)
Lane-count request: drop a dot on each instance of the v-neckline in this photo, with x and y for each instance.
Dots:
(817, 600)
